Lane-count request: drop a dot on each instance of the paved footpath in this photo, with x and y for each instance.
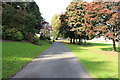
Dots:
(55, 62)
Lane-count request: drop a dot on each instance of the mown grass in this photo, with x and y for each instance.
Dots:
(98, 59)
(17, 54)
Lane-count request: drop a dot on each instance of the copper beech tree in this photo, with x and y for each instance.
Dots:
(104, 20)
(113, 23)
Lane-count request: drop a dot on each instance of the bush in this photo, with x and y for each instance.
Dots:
(32, 38)
(42, 37)
(48, 38)
(1, 31)
(12, 34)
(19, 36)
(35, 39)
(29, 36)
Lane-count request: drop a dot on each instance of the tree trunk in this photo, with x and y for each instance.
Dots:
(114, 45)
(70, 40)
(79, 41)
(74, 41)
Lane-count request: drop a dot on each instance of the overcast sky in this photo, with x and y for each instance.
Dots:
(50, 7)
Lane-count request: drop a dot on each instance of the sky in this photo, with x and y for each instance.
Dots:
(50, 7)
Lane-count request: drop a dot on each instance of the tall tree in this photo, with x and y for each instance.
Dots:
(23, 16)
(93, 21)
(64, 29)
(113, 24)
(75, 18)
(33, 8)
(55, 22)
(103, 18)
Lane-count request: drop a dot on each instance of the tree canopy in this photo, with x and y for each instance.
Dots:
(89, 20)
(21, 16)
(55, 23)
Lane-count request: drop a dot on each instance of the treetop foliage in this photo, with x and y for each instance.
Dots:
(90, 20)
(21, 16)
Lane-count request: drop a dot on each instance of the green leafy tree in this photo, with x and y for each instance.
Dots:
(55, 22)
(18, 19)
(33, 8)
(23, 16)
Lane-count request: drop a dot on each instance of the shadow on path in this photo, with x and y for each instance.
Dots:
(55, 62)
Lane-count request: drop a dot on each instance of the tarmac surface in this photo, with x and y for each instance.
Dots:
(56, 62)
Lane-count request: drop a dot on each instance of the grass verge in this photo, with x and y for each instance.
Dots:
(17, 54)
(97, 59)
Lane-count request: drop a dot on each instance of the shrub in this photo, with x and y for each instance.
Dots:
(1, 31)
(12, 34)
(32, 38)
(35, 39)
(18, 36)
(42, 37)
(48, 38)
(29, 36)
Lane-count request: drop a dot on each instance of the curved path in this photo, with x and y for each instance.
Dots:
(55, 62)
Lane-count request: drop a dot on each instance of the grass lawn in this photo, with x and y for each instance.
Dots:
(97, 59)
(16, 54)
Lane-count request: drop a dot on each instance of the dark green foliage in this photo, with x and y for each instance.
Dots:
(34, 9)
(42, 37)
(35, 39)
(20, 16)
(64, 29)
(48, 38)
(12, 34)
(29, 24)
(1, 31)
(18, 19)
